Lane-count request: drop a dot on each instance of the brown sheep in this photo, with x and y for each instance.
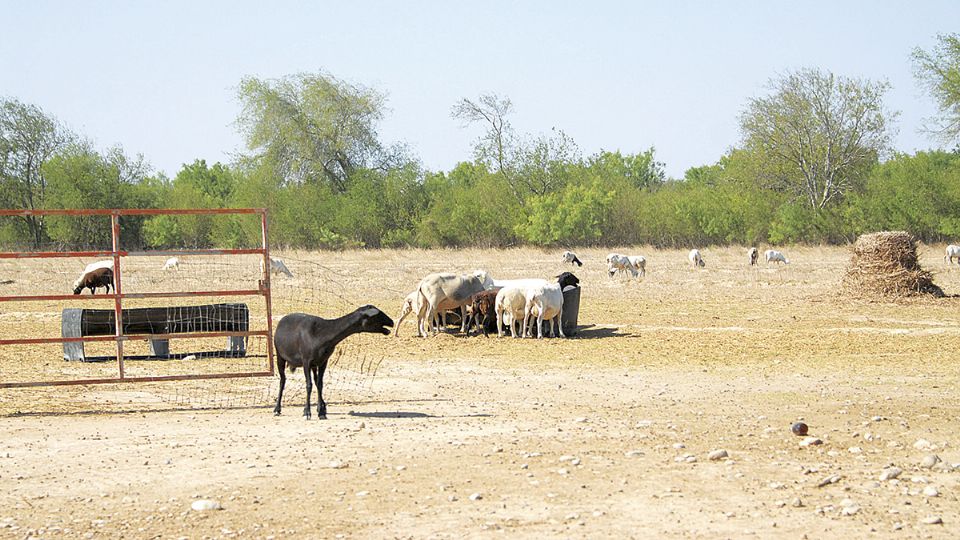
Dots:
(481, 311)
(98, 277)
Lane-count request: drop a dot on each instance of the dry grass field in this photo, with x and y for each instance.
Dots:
(604, 435)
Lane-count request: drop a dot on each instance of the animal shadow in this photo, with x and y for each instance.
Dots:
(595, 332)
(391, 414)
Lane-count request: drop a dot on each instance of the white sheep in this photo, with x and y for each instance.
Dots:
(510, 306)
(772, 255)
(411, 304)
(753, 254)
(617, 263)
(173, 263)
(696, 259)
(571, 258)
(277, 266)
(639, 263)
(953, 251)
(544, 302)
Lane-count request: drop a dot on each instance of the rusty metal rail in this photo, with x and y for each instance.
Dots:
(117, 254)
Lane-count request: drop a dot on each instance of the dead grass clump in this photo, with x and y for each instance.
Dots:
(884, 265)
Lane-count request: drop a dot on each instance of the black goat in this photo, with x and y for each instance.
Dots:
(307, 341)
(98, 277)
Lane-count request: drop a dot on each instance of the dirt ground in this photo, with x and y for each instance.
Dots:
(604, 435)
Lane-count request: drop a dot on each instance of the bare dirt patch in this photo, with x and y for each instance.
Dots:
(604, 435)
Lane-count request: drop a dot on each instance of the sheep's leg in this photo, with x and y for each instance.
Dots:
(525, 331)
(540, 325)
(281, 364)
(307, 375)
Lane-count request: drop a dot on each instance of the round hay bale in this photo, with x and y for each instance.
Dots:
(884, 265)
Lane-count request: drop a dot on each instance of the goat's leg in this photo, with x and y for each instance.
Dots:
(281, 364)
(560, 322)
(321, 404)
(307, 368)
(463, 319)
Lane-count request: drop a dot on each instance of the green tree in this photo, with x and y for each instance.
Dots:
(822, 132)
(80, 177)
(28, 139)
(195, 186)
(575, 215)
(641, 170)
(315, 128)
(939, 71)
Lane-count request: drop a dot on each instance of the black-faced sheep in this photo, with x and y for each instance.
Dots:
(571, 258)
(98, 277)
(307, 341)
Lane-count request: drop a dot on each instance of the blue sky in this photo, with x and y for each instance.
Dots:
(159, 78)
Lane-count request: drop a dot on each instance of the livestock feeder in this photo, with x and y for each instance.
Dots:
(163, 322)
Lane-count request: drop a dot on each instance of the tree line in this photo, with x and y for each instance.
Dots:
(814, 164)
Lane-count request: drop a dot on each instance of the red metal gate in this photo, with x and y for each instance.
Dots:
(118, 296)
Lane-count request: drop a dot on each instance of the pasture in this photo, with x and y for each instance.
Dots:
(604, 435)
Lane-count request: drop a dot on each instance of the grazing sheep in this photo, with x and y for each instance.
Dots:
(772, 255)
(617, 263)
(696, 259)
(277, 266)
(639, 264)
(544, 302)
(446, 292)
(753, 254)
(953, 251)
(173, 263)
(307, 341)
(411, 305)
(571, 258)
(98, 277)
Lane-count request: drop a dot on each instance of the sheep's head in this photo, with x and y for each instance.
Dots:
(484, 278)
(374, 321)
(567, 279)
(701, 263)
